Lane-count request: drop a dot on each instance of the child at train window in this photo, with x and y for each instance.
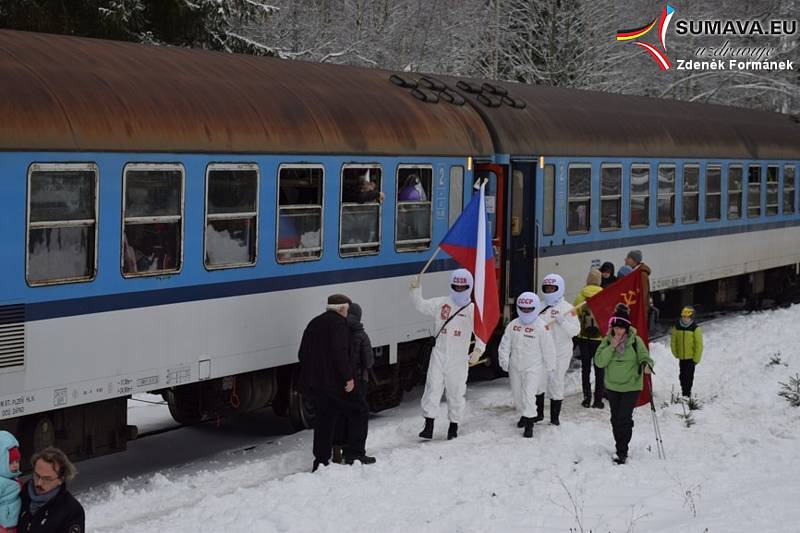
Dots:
(10, 501)
(687, 347)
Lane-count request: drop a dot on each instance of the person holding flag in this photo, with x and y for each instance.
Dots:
(457, 317)
(625, 358)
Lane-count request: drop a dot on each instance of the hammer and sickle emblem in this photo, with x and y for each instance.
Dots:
(629, 297)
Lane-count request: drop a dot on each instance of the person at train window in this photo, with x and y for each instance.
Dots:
(327, 376)
(607, 273)
(563, 324)
(528, 354)
(10, 501)
(362, 360)
(413, 210)
(450, 357)
(624, 356)
(589, 339)
(368, 190)
(47, 505)
(686, 343)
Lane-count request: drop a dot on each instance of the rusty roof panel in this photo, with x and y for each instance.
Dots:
(67, 93)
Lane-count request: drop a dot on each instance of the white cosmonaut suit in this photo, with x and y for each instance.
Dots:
(449, 362)
(564, 325)
(527, 353)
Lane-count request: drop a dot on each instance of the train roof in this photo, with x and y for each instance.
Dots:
(78, 94)
(69, 93)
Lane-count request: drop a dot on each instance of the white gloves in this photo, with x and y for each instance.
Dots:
(416, 282)
(475, 356)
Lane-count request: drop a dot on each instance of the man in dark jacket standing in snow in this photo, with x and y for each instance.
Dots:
(327, 373)
(47, 505)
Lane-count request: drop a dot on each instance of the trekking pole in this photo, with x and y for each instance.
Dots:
(656, 428)
(573, 311)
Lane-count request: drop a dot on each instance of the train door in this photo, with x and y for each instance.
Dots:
(494, 197)
(522, 231)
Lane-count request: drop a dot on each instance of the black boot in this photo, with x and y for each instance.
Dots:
(521, 422)
(586, 402)
(555, 411)
(528, 433)
(539, 408)
(427, 431)
(620, 458)
(363, 459)
(452, 431)
(317, 464)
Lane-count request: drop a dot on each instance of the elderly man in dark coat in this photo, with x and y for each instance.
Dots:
(328, 375)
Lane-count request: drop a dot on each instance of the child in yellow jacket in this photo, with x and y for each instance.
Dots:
(687, 347)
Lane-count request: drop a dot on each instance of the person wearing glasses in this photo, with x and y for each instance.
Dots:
(47, 505)
(449, 361)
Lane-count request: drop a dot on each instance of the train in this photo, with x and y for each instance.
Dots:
(173, 218)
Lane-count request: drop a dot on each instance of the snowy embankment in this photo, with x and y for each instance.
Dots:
(735, 469)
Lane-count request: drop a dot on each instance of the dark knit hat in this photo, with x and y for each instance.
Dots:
(621, 318)
(636, 255)
(338, 299)
(607, 267)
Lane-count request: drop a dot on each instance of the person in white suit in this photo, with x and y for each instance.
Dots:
(450, 357)
(564, 324)
(527, 353)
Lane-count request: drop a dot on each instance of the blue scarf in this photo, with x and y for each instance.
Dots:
(39, 500)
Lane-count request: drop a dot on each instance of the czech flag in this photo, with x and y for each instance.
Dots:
(469, 243)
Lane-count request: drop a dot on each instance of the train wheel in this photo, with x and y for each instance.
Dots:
(184, 404)
(301, 409)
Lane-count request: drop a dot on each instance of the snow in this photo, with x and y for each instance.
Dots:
(735, 469)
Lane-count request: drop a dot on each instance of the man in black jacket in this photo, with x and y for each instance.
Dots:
(328, 376)
(47, 505)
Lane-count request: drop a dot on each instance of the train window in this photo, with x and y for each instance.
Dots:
(517, 201)
(579, 207)
(753, 191)
(456, 203)
(665, 203)
(413, 216)
(62, 223)
(360, 227)
(299, 228)
(772, 206)
(713, 192)
(610, 197)
(152, 213)
(640, 196)
(691, 193)
(788, 189)
(734, 192)
(231, 215)
(549, 192)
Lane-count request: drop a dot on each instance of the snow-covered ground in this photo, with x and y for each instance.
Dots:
(735, 469)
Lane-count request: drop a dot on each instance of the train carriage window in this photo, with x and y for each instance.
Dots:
(360, 216)
(691, 194)
(579, 206)
(62, 223)
(413, 216)
(456, 203)
(610, 197)
(665, 204)
(152, 214)
(735, 174)
(753, 191)
(640, 196)
(713, 192)
(772, 206)
(231, 215)
(299, 227)
(788, 189)
(549, 192)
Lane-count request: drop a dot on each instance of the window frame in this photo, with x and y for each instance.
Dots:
(182, 217)
(788, 166)
(459, 198)
(631, 196)
(570, 199)
(551, 200)
(684, 194)
(376, 251)
(740, 191)
(397, 186)
(231, 216)
(674, 168)
(718, 168)
(618, 197)
(64, 167)
(777, 182)
(278, 214)
(749, 189)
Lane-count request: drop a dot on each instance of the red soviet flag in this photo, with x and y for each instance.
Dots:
(629, 291)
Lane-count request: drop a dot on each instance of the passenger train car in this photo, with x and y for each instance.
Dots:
(173, 218)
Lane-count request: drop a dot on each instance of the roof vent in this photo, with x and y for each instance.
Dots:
(489, 101)
(494, 89)
(431, 83)
(468, 87)
(451, 96)
(406, 83)
(425, 96)
(514, 102)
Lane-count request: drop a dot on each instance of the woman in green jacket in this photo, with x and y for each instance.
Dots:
(687, 347)
(624, 357)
